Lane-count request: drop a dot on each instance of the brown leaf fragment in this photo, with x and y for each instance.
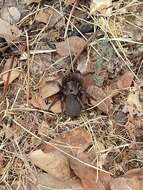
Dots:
(132, 180)
(76, 140)
(72, 45)
(103, 6)
(70, 2)
(100, 96)
(43, 129)
(28, 2)
(134, 106)
(52, 162)
(12, 132)
(57, 107)
(8, 31)
(134, 183)
(46, 181)
(90, 177)
(42, 17)
(38, 102)
(72, 142)
(14, 73)
(51, 17)
(125, 80)
(49, 89)
(10, 14)
(1, 164)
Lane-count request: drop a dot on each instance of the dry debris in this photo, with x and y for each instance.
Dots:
(41, 42)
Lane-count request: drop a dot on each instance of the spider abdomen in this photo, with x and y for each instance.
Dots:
(72, 106)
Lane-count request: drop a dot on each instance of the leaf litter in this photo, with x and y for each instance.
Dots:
(101, 149)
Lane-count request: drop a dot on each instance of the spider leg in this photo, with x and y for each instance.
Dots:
(88, 96)
(62, 105)
(53, 102)
(88, 73)
(82, 105)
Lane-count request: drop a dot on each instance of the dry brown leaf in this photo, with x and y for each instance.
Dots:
(28, 2)
(1, 164)
(102, 6)
(51, 17)
(2, 187)
(14, 73)
(134, 105)
(133, 180)
(48, 181)
(10, 14)
(52, 162)
(99, 95)
(72, 45)
(134, 172)
(69, 2)
(42, 16)
(49, 89)
(38, 102)
(90, 178)
(43, 129)
(75, 140)
(12, 132)
(85, 64)
(125, 80)
(8, 31)
(57, 107)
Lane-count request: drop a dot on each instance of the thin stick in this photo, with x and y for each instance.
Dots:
(8, 77)
(71, 13)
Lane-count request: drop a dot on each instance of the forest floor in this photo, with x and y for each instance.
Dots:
(41, 147)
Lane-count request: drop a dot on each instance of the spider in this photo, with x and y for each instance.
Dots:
(71, 93)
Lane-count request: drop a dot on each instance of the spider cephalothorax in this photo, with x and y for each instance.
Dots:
(71, 89)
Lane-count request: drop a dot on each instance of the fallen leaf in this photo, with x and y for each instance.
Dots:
(1, 164)
(75, 140)
(99, 95)
(14, 73)
(48, 181)
(43, 129)
(90, 177)
(84, 64)
(125, 80)
(52, 162)
(134, 105)
(2, 187)
(42, 17)
(28, 2)
(12, 132)
(49, 89)
(133, 180)
(51, 17)
(69, 2)
(57, 107)
(8, 31)
(138, 172)
(38, 102)
(40, 63)
(10, 14)
(102, 6)
(72, 45)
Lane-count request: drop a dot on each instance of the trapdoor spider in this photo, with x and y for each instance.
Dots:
(71, 93)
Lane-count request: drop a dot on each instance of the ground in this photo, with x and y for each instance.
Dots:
(40, 41)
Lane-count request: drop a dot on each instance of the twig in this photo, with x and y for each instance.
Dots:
(71, 13)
